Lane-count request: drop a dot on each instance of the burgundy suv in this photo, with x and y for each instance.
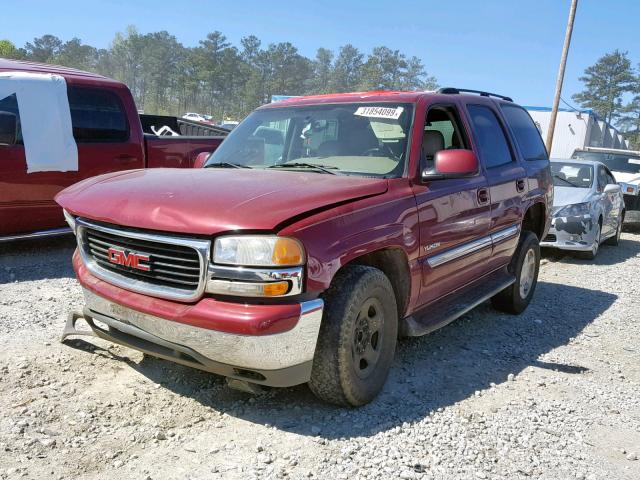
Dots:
(319, 232)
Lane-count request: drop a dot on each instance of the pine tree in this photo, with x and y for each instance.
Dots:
(605, 83)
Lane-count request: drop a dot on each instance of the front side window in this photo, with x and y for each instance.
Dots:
(97, 116)
(442, 131)
(525, 132)
(574, 175)
(492, 143)
(349, 138)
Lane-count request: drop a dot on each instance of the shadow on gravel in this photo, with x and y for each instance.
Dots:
(37, 259)
(608, 254)
(430, 372)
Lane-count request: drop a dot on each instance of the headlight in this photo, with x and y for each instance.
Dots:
(575, 210)
(258, 251)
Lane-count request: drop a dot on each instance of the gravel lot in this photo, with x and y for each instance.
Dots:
(551, 394)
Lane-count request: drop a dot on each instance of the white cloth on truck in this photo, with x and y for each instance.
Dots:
(45, 118)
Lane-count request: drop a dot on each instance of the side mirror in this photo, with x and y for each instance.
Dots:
(455, 163)
(201, 159)
(8, 128)
(612, 188)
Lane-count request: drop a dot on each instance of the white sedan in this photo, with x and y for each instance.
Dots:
(588, 207)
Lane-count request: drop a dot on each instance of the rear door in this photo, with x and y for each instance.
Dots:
(107, 142)
(506, 178)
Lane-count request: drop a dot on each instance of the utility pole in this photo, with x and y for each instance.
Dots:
(560, 80)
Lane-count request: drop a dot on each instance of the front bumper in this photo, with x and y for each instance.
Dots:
(246, 349)
(571, 233)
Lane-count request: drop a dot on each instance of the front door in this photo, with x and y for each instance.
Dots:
(454, 214)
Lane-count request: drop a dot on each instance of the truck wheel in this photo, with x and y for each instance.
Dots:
(357, 337)
(525, 264)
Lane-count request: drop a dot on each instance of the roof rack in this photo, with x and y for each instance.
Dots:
(451, 90)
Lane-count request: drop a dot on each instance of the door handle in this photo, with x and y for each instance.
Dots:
(520, 184)
(483, 196)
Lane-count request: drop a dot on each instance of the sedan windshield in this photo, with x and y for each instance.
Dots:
(615, 161)
(367, 139)
(578, 175)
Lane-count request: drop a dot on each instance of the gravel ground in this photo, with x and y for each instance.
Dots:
(551, 394)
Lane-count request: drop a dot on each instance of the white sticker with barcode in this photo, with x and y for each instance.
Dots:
(380, 112)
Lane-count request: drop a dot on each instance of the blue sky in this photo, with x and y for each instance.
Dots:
(509, 47)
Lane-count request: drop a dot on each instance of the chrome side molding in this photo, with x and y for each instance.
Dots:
(473, 246)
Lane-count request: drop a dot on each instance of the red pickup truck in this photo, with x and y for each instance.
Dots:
(59, 126)
(321, 230)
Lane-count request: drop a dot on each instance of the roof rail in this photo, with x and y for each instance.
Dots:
(451, 90)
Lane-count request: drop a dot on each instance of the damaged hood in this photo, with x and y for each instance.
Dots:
(209, 201)
(570, 195)
(625, 177)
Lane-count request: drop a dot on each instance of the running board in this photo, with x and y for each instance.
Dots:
(456, 304)
(44, 233)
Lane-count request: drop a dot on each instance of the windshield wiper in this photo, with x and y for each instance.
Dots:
(315, 166)
(566, 181)
(226, 165)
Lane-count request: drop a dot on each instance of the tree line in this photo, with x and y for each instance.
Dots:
(220, 79)
(607, 83)
(227, 81)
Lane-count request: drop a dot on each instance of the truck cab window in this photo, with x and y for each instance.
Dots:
(97, 116)
(442, 131)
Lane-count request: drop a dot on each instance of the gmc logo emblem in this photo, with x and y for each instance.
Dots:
(131, 259)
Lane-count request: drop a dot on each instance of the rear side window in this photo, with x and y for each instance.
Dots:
(525, 131)
(492, 143)
(97, 116)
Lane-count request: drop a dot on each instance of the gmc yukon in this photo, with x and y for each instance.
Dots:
(59, 126)
(319, 232)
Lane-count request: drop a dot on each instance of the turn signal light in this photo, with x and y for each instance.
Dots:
(629, 189)
(287, 251)
(248, 289)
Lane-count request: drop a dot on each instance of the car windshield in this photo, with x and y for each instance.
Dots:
(367, 139)
(615, 161)
(578, 175)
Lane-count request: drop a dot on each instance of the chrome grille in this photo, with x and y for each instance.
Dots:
(172, 267)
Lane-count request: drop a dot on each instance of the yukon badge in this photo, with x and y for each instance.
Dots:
(428, 248)
(131, 259)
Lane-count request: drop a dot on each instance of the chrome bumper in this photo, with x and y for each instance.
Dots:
(267, 356)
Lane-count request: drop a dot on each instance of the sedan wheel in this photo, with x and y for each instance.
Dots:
(591, 254)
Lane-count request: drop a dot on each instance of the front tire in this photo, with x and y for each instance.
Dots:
(357, 337)
(525, 264)
(591, 254)
(615, 240)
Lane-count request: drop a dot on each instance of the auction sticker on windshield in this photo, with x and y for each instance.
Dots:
(379, 112)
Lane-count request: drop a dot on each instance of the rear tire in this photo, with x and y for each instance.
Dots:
(525, 264)
(357, 337)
